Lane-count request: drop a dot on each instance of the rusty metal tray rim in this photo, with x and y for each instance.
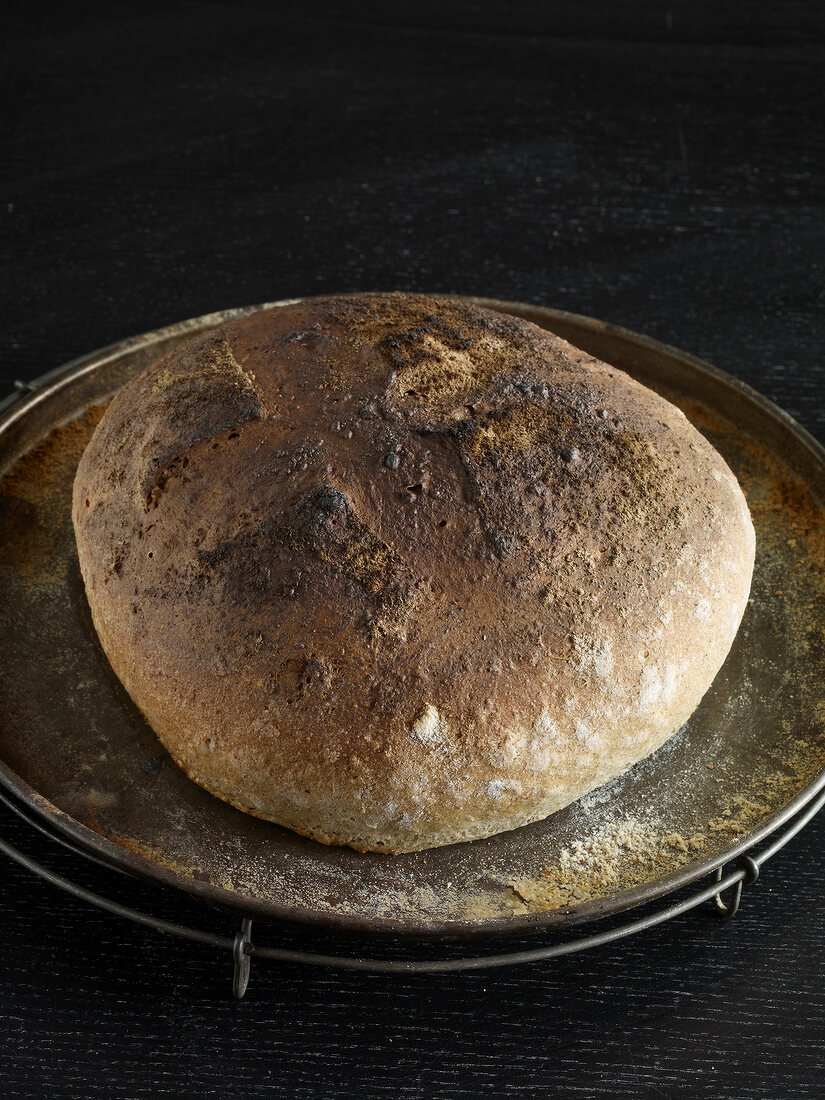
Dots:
(20, 403)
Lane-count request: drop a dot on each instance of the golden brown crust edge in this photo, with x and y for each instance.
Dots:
(395, 571)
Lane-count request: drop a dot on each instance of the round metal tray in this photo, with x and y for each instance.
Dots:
(74, 749)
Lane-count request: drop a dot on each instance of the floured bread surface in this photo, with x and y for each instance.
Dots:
(395, 571)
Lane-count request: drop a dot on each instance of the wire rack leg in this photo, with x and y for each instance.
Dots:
(750, 873)
(241, 953)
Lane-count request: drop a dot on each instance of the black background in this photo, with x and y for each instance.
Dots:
(658, 165)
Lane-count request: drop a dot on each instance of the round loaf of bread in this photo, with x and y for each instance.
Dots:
(395, 571)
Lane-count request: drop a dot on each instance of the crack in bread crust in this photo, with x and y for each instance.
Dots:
(186, 404)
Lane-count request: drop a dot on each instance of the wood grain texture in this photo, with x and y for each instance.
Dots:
(659, 166)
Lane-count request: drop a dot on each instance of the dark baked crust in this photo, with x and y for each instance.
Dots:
(396, 571)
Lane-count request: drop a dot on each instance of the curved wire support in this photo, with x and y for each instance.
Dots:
(69, 845)
(241, 946)
(21, 389)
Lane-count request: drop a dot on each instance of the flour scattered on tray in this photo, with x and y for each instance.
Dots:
(617, 850)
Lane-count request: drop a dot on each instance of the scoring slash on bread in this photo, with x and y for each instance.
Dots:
(396, 571)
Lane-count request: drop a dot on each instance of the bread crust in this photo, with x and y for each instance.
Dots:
(396, 571)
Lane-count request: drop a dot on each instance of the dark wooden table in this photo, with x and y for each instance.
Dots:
(659, 165)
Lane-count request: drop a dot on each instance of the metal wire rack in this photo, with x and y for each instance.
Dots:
(743, 871)
(722, 890)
